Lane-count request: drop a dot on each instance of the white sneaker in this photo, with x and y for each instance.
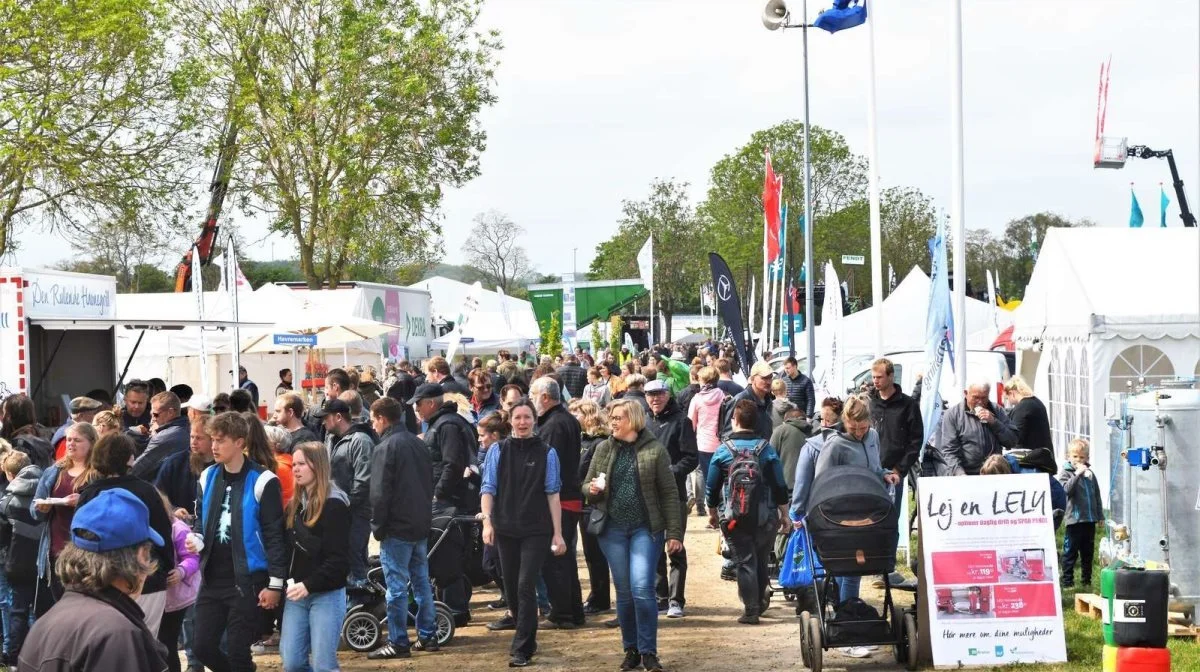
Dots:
(855, 652)
(675, 610)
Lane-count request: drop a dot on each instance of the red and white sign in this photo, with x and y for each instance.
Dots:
(991, 561)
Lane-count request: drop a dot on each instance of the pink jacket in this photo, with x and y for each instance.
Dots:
(183, 594)
(705, 414)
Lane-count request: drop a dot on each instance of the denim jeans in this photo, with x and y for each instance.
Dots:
(705, 461)
(632, 557)
(847, 587)
(312, 627)
(360, 534)
(406, 567)
(188, 635)
(6, 600)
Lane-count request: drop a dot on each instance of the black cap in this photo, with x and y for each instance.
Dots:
(426, 391)
(332, 406)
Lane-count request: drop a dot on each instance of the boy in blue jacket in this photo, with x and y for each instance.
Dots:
(1084, 510)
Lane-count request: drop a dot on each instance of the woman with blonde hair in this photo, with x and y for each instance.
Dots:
(107, 422)
(1028, 416)
(593, 423)
(62, 480)
(630, 480)
(318, 532)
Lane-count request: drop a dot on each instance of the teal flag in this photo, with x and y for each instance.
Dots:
(1163, 202)
(1135, 212)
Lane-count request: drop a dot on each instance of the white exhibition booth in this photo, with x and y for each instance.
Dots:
(174, 355)
(1106, 309)
(501, 322)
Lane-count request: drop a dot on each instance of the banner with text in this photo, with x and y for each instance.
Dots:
(991, 559)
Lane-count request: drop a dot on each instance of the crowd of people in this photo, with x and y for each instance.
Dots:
(214, 533)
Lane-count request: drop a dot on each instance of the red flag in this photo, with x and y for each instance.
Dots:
(772, 192)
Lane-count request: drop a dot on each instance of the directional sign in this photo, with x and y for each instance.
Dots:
(309, 340)
(854, 259)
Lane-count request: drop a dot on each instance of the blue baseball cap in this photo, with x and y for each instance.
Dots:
(114, 519)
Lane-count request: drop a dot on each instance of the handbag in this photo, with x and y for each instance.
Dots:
(799, 562)
(597, 521)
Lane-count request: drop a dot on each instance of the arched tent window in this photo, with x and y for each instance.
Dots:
(1085, 394)
(1070, 424)
(1139, 365)
(1055, 402)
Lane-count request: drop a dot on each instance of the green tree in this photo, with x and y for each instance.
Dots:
(360, 114)
(1017, 265)
(260, 273)
(552, 337)
(679, 247)
(597, 338)
(733, 208)
(616, 333)
(908, 220)
(95, 118)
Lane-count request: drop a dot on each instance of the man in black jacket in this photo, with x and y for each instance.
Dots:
(574, 377)
(560, 430)
(758, 392)
(170, 436)
(452, 442)
(897, 419)
(674, 431)
(350, 446)
(401, 489)
(437, 371)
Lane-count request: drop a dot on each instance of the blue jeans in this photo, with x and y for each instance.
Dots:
(360, 534)
(404, 563)
(312, 627)
(632, 558)
(847, 587)
(6, 600)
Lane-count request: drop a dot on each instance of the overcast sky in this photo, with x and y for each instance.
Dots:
(599, 97)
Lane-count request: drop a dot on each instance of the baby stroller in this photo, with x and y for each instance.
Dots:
(456, 562)
(853, 533)
(362, 628)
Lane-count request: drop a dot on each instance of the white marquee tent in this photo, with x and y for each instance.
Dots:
(904, 312)
(501, 322)
(1106, 307)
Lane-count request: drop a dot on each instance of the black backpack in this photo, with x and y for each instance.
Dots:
(743, 496)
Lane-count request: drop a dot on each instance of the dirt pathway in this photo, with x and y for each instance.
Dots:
(708, 640)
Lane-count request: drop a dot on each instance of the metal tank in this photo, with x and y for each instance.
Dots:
(1156, 485)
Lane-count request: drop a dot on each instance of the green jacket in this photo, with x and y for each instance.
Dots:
(659, 493)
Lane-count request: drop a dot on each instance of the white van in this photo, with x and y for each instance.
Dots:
(982, 365)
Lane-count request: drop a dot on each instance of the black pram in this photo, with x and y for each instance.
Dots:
(853, 530)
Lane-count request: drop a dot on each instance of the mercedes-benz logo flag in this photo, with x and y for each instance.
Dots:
(730, 307)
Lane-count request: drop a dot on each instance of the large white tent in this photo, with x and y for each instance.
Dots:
(501, 322)
(1105, 308)
(904, 312)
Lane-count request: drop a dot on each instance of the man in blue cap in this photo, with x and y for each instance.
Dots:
(97, 625)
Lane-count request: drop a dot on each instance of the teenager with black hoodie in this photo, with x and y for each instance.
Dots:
(243, 562)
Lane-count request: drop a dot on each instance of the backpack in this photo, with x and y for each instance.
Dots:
(743, 496)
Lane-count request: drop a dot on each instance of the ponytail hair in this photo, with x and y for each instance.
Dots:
(857, 409)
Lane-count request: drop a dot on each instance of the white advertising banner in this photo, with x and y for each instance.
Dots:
(991, 567)
(53, 294)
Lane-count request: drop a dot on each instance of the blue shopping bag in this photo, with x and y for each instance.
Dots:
(799, 562)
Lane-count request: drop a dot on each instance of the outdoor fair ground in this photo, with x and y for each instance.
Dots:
(709, 639)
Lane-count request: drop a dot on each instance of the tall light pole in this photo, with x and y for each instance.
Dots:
(775, 16)
(958, 193)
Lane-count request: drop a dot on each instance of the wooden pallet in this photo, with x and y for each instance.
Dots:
(1094, 606)
(1091, 605)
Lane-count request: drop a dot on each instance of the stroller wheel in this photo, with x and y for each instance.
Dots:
(444, 618)
(910, 643)
(805, 617)
(901, 646)
(361, 631)
(815, 652)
